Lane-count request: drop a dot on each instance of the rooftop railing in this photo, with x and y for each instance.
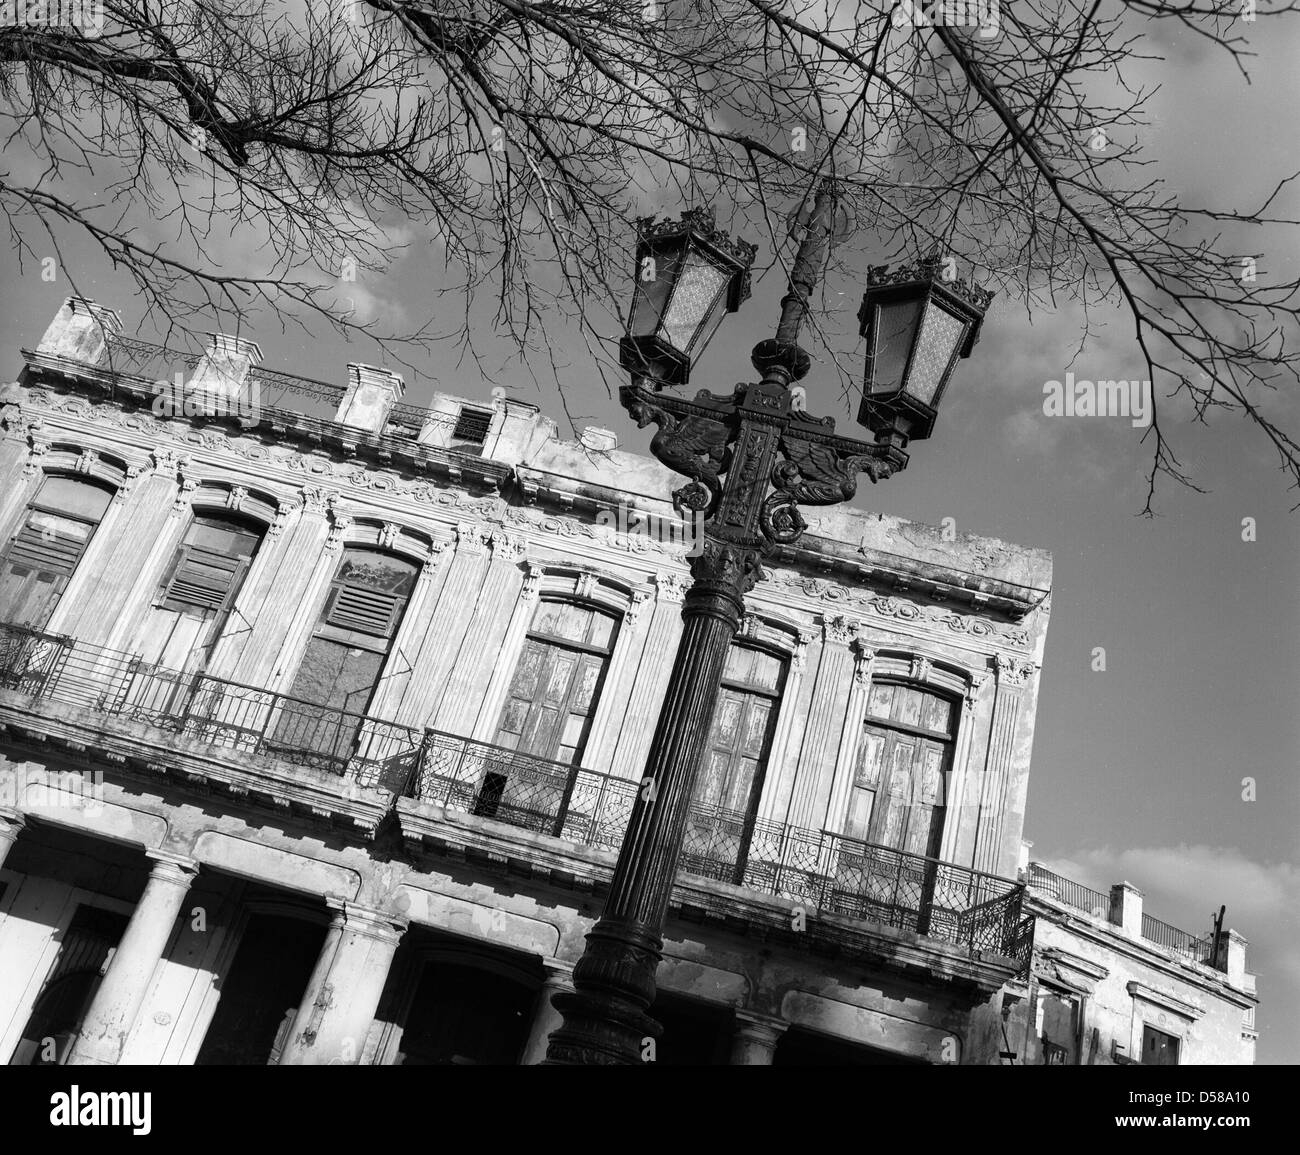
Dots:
(1197, 948)
(146, 363)
(825, 871)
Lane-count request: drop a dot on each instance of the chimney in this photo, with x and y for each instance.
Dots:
(370, 396)
(80, 331)
(1126, 908)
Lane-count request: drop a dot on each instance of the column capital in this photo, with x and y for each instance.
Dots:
(171, 867)
(757, 1028)
(381, 925)
(558, 974)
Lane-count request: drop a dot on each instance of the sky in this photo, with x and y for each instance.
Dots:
(1138, 769)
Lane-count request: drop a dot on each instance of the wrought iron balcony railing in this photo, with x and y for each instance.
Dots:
(823, 870)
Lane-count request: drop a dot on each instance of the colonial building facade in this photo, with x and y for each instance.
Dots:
(321, 718)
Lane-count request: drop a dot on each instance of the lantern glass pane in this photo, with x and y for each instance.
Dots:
(698, 288)
(896, 324)
(941, 333)
(655, 274)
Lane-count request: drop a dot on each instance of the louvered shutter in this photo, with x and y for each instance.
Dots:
(369, 611)
(50, 545)
(203, 580)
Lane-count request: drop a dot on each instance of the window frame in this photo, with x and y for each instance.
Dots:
(186, 550)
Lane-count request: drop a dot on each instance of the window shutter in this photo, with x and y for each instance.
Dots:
(360, 608)
(472, 425)
(49, 553)
(202, 580)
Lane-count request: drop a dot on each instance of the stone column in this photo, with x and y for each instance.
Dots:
(1012, 674)
(124, 987)
(480, 653)
(846, 758)
(446, 628)
(342, 995)
(559, 977)
(632, 746)
(11, 824)
(753, 1043)
(825, 724)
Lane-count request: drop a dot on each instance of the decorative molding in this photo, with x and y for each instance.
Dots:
(317, 499)
(1191, 1011)
(803, 638)
(783, 584)
(87, 461)
(532, 586)
(863, 655)
(508, 546)
(1013, 671)
(640, 598)
(920, 668)
(133, 471)
(235, 498)
(38, 449)
(471, 538)
(388, 534)
(187, 484)
(749, 626)
(840, 629)
(340, 523)
(671, 587)
(584, 585)
(976, 684)
(278, 522)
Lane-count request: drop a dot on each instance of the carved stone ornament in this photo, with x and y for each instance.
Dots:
(37, 450)
(1013, 671)
(863, 655)
(532, 583)
(471, 537)
(235, 498)
(389, 532)
(316, 498)
(584, 585)
(278, 522)
(340, 522)
(920, 668)
(670, 587)
(840, 629)
(87, 461)
(508, 547)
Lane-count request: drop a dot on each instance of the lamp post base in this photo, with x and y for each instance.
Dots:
(605, 1020)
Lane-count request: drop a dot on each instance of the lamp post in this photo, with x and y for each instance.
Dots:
(751, 460)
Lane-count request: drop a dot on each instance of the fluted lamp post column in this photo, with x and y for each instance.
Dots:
(751, 459)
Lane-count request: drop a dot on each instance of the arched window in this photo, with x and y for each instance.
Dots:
(199, 588)
(727, 792)
(900, 783)
(557, 683)
(346, 654)
(40, 559)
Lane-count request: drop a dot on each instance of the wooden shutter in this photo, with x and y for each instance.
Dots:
(550, 701)
(49, 545)
(204, 580)
(367, 610)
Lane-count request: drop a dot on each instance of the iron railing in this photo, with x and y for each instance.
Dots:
(821, 870)
(826, 871)
(1197, 948)
(1075, 894)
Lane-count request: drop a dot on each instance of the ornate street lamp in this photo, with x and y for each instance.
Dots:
(687, 274)
(751, 461)
(917, 323)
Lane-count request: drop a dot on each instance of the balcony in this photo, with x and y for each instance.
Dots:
(824, 872)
